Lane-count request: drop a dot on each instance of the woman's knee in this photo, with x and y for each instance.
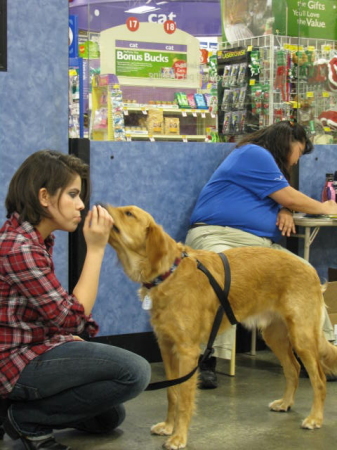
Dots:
(141, 372)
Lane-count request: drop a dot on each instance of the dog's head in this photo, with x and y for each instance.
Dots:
(142, 246)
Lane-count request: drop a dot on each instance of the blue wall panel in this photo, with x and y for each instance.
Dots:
(312, 170)
(164, 179)
(34, 93)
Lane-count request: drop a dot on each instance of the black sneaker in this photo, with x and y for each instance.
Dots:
(49, 443)
(4, 405)
(207, 375)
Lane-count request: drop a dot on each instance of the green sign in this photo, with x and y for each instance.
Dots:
(150, 64)
(310, 18)
(299, 18)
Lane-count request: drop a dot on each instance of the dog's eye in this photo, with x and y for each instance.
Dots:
(129, 213)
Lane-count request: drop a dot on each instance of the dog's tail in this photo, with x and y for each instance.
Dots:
(328, 356)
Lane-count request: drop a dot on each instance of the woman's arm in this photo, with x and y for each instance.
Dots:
(294, 200)
(96, 231)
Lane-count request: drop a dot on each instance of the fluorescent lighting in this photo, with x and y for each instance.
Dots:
(141, 9)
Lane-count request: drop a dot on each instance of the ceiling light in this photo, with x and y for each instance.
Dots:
(141, 9)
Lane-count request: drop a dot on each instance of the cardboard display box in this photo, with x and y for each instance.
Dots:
(330, 297)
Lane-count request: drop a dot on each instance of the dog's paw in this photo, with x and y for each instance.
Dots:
(279, 406)
(310, 423)
(162, 429)
(175, 442)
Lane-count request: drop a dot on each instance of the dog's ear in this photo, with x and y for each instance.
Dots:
(156, 245)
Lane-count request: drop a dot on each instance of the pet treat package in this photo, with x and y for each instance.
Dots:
(155, 121)
(182, 101)
(172, 125)
(191, 101)
(200, 101)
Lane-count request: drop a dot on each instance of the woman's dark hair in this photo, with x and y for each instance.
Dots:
(44, 169)
(277, 139)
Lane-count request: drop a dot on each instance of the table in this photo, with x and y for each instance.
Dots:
(311, 227)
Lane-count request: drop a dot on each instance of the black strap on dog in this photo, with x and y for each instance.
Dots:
(224, 307)
(222, 294)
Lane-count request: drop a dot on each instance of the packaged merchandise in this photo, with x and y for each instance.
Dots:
(100, 119)
(172, 126)
(191, 101)
(155, 121)
(182, 101)
(200, 101)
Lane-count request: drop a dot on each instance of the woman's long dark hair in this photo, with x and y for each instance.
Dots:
(277, 139)
(44, 169)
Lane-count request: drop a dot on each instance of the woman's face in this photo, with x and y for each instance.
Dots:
(296, 151)
(65, 209)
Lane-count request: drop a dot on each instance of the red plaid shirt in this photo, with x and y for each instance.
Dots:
(36, 313)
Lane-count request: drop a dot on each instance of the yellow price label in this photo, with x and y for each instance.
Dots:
(325, 94)
(310, 94)
(251, 82)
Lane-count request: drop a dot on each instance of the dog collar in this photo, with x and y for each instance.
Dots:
(165, 275)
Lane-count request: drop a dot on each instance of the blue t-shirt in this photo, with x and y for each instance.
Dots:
(237, 193)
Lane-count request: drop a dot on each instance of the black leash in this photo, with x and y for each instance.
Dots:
(224, 307)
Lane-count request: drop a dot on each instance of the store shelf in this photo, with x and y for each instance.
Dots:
(173, 110)
(286, 78)
(165, 137)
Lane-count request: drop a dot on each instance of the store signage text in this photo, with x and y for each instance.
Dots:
(161, 18)
(141, 57)
(160, 46)
(151, 64)
(310, 16)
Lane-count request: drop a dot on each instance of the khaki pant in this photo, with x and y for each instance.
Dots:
(218, 239)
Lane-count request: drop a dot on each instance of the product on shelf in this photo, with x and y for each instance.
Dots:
(200, 101)
(285, 79)
(100, 119)
(182, 100)
(155, 121)
(172, 126)
(117, 113)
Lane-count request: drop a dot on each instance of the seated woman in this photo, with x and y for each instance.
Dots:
(249, 201)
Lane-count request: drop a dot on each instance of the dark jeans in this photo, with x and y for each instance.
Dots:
(77, 384)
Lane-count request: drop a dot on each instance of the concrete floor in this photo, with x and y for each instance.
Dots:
(234, 416)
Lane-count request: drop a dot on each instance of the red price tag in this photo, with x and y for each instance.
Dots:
(170, 26)
(132, 23)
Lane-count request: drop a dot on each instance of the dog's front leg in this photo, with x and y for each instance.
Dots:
(185, 402)
(171, 365)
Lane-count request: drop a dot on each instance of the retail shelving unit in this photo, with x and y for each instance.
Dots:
(286, 78)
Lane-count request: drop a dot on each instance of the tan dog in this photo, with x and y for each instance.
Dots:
(270, 289)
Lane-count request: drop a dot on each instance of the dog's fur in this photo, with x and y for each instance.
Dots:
(270, 289)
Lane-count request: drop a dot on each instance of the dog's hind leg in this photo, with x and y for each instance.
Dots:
(276, 337)
(281, 339)
(307, 348)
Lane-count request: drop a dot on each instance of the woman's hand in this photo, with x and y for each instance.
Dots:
(329, 207)
(96, 228)
(285, 222)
